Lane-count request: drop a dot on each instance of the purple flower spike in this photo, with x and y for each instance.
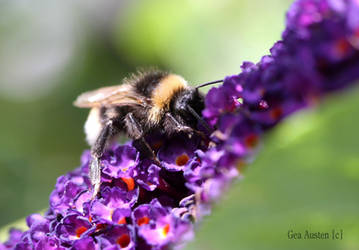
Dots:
(141, 205)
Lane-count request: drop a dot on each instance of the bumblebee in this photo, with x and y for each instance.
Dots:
(146, 102)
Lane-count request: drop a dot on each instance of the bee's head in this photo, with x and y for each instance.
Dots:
(183, 101)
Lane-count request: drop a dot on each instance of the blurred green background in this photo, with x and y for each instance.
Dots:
(306, 176)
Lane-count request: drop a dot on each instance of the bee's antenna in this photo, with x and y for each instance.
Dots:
(208, 83)
(200, 119)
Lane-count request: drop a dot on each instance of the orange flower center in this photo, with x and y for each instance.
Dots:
(165, 230)
(342, 46)
(80, 231)
(156, 146)
(276, 113)
(142, 221)
(251, 140)
(182, 159)
(129, 182)
(122, 220)
(100, 226)
(124, 240)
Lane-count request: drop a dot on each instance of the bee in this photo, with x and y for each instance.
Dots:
(144, 103)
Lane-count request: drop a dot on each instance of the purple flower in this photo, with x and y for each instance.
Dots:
(157, 225)
(82, 202)
(39, 227)
(177, 152)
(67, 187)
(220, 101)
(86, 243)
(104, 214)
(114, 207)
(118, 237)
(49, 242)
(117, 197)
(120, 162)
(14, 237)
(72, 227)
(147, 175)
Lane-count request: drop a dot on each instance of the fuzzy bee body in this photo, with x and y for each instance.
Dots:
(146, 102)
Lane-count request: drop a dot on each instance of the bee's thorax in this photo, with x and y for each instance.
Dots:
(162, 95)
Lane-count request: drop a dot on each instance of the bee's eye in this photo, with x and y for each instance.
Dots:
(181, 103)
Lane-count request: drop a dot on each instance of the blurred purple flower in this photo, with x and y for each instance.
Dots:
(14, 237)
(50, 243)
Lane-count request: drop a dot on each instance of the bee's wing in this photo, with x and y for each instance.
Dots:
(120, 95)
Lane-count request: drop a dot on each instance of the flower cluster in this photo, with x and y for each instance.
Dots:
(143, 206)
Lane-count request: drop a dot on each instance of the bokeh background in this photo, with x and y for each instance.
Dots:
(306, 176)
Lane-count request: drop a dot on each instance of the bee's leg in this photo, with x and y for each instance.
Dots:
(96, 152)
(134, 128)
(171, 125)
(135, 131)
(95, 175)
(142, 146)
